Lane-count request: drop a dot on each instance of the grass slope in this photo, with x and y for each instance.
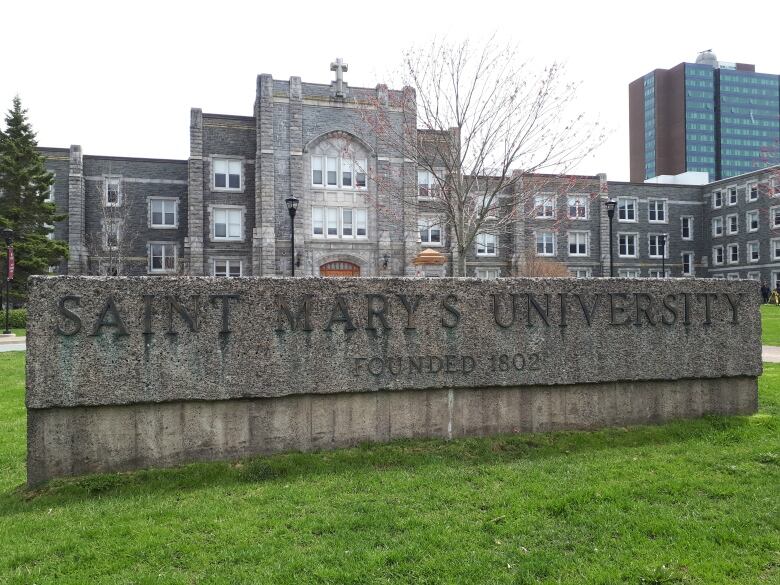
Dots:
(687, 502)
(770, 324)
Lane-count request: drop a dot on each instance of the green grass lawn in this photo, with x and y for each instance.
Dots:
(686, 502)
(770, 324)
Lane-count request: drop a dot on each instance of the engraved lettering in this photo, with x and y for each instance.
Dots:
(447, 304)
(707, 298)
(116, 319)
(670, 316)
(340, 314)
(496, 311)
(415, 364)
(643, 309)
(411, 308)
(545, 315)
(225, 310)
(564, 302)
(303, 314)
(69, 315)
(190, 318)
(378, 312)
(468, 364)
(616, 311)
(734, 303)
(588, 314)
(381, 366)
(148, 314)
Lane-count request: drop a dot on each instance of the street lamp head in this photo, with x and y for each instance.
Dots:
(292, 204)
(611, 204)
(8, 235)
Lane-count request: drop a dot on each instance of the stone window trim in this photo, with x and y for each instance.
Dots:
(553, 239)
(580, 203)
(658, 245)
(212, 179)
(717, 199)
(754, 276)
(749, 216)
(229, 262)
(167, 246)
(691, 263)
(732, 224)
(717, 227)
(573, 237)
(635, 237)
(343, 164)
(732, 197)
(774, 217)
(544, 206)
(359, 221)
(428, 187)
(732, 253)
(114, 227)
(50, 191)
(732, 276)
(430, 224)
(629, 272)
(581, 272)
(108, 181)
(484, 240)
(717, 251)
(217, 206)
(151, 225)
(690, 220)
(623, 208)
(775, 248)
(751, 245)
(487, 273)
(751, 192)
(652, 203)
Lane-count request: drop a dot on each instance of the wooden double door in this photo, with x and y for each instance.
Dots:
(339, 269)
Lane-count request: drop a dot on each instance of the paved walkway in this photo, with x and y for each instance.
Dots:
(770, 353)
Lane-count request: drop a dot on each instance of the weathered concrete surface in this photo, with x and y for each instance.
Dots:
(127, 373)
(71, 441)
(449, 334)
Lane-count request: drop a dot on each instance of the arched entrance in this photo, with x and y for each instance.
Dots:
(339, 268)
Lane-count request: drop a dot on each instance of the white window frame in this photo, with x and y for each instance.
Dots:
(578, 201)
(658, 273)
(544, 234)
(729, 255)
(107, 181)
(717, 221)
(427, 185)
(229, 262)
(717, 199)
(691, 264)
(581, 272)
(227, 160)
(752, 213)
(213, 209)
(629, 272)
(754, 276)
(487, 273)
(50, 192)
(544, 206)
(428, 224)
(149, 248)
(751, 188)
(732, 276)
(753, 244)
(653, 203)
(715, 261)
(49, 235)
(774, 217)
(732, 220)
(483, 240)
(774, 250)
(357, 167)
(658, 245)
(105, 232)
(635, 237)
(164, 200)
(626, 201)
(577, 234)
(732, 197)
(332, 217)
(683, 218)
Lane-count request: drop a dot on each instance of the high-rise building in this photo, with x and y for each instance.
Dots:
(710, 116)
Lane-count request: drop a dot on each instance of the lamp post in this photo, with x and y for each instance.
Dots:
(292, 207)
(663, 256)
(611, 204)
(8, 236)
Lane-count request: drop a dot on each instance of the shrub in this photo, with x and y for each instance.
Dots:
(17, 318)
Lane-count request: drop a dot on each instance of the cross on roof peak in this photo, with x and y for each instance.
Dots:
(339, 67)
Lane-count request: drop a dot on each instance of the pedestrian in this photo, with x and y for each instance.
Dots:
(765, 292)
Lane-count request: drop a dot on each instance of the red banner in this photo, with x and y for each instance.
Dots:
(11, 263)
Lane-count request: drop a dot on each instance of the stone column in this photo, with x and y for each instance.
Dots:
(296, 168)
(193, 242)
(264, 233)
(77, 259)
(409, 180)
(601, 211)
(518, 235)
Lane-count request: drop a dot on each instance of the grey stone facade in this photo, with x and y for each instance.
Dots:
(295, 124)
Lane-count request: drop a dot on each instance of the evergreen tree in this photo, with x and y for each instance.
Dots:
(24, 185)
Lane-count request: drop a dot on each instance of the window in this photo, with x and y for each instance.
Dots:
(733, 276)
(754, 276)
(332, 173)
(658, 273)
(629, 273)
(426, 184)
(227, 223)
(111, 234)
(162, 213)
(578, 243)
(627, 209)
(752, 192)
(733, 253)
(656, 210)
(339, 222)
(227, 268)
(488, 273)
(545, 244)
(717, 226)
(486, 244)
(580, 272)
(717, 200)
(361, 170)
(753, 251)
(658, 247)
(775, 249)
(112, 191)
(627, 247)
(774, 217)
(752, 220)
(227, 174)
(316, 170)
(489, 204)
(732, 222)
(544, 206)
(687, 227)
(50, 192)
(430, 230)
(50, 234)
(687, 264)
(346, 173)
(578, 206)
(335, 172)
(162, 257)
(732, 196)
(717, 255)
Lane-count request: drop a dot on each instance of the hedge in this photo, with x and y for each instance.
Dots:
(17, 318)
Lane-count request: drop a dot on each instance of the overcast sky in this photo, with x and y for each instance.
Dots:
(121, 79)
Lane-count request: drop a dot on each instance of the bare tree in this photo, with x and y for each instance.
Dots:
(487, 122)
(534, 265)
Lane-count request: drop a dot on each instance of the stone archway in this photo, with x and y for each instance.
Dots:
(339, 268)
